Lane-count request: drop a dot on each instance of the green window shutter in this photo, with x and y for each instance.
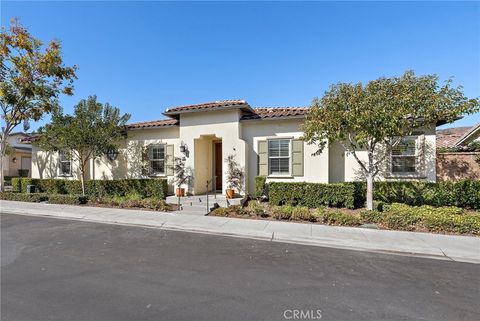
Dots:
(169, 159)
(262, 158)
(147, 154)
(297, 157)
(150, 151)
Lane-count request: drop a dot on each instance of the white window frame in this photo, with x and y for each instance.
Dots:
(416, 157)
(164, 146)
(289, 174)
(61, 160)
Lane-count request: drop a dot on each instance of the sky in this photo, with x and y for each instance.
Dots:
(144, 57)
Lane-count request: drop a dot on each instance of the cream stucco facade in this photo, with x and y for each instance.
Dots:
(200, 134)
(19, 157)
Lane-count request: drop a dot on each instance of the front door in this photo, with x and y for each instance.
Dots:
(218, 166)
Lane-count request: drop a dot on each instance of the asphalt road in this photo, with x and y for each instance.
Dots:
(64, 270)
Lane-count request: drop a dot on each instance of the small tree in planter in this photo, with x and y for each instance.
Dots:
(181, 176)
(235, 176)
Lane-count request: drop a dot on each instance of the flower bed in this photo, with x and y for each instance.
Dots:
(133, 201)
(395, 216)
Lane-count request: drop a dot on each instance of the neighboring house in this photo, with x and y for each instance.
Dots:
(265, 141)
(457, 156)
(21, 156)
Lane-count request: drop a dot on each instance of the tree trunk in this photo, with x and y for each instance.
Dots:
(82, 182)
(369, 191)
(81, 165)
(369, 176)
(3, 146)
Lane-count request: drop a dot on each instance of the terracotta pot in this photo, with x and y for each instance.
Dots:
(180, 192)
(230, 193)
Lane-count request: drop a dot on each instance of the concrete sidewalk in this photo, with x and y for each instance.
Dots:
(447, 247)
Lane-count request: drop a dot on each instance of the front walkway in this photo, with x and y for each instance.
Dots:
(447, 247)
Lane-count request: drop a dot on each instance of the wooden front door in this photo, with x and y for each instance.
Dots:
(218, 166)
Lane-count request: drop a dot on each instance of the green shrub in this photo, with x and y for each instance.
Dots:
(98, 188)
(312, 195)
(464, 193)
(338, 217)
(455, 223)
(17, 184)
(134, 201)
(282, 212)
(303, 214)
(434, 219)
(8, 180)
(372, 216)
(256, 209)
(23, 197)
(261, 187)
(67, 199)
(239, 210)
(219, 211)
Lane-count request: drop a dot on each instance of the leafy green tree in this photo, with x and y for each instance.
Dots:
(31, 80)
(93, 130)
(373, 117)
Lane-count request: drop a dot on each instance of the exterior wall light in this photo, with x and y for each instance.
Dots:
(112, 155)
(183, 148)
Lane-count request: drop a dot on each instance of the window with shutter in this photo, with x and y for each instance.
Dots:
(156, 158)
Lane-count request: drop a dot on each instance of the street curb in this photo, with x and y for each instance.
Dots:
(270, 236)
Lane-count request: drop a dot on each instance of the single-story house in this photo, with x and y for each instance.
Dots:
(457, 158)
(19, 161)
(265, 141)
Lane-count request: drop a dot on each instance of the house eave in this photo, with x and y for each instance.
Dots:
(273, 118)
(175, 114)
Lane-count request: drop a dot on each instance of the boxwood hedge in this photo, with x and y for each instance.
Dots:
(312, 194)
(465, 194)
(99, 188)
(23, 197)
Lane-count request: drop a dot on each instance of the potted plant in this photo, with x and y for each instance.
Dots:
(235, 176)
(180, 176)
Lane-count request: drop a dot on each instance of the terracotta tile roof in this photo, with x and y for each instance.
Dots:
(211, 105)
(472, 133)
(448, 137)
(275, 112)
(155, 123)
(29, 139)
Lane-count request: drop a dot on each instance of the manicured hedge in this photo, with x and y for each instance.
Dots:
(312, 195)
(145, 187)
(260, 186)
(465, 194)
(23, 197)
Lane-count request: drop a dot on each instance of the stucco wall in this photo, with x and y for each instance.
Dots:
(353, 171)
(46, 165)
(222, 125)
(15, 166)
(129, 161)
(457, 166)
(315, 167)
